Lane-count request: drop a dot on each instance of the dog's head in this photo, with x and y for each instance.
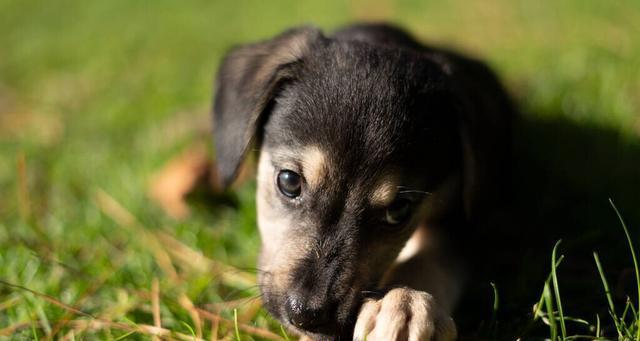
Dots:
(353, 138)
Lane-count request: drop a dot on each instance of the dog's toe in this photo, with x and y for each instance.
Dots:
(404, 314)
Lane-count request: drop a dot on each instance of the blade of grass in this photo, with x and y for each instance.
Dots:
(635, 262)
(23, 190)
(540, 303)
(124, 336)
(48, 298)
(607, 293)
(633, 310)
(188, 305)
(193, 333)
(556, 289)
(144, 329)
(576, 320)
(548, 301)
(605, 284)
(235, 324)
(262, 333)
(495, 297)
(623, 317)
(284, 333)
(494, 313)
(33, 331)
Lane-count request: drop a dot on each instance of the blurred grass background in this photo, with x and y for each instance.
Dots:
(96, 96)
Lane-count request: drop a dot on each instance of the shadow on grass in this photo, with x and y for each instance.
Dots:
(564, 174)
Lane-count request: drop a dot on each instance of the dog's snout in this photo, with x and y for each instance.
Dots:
(306, 316)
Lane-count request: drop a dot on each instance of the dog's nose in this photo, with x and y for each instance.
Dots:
(304, 316)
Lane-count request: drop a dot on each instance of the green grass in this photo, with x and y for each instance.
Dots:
(625, 326)
(96, 96)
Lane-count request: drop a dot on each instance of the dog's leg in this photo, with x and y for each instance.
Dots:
(425, 288)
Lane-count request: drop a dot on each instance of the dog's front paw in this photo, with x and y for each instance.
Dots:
(404, 314)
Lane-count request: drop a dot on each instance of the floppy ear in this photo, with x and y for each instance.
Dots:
(485, 129)
(247, 82)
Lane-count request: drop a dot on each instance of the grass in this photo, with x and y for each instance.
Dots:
(627, 326)
(95, 97)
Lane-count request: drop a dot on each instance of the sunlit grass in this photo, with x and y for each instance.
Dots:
(96, 96)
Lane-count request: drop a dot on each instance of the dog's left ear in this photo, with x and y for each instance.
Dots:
(247, 82)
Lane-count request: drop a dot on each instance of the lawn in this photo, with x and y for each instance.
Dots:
(97, 96)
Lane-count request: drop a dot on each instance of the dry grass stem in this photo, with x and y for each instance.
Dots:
(155, 303)
(263, 333)
(124, 218)
(186, 303)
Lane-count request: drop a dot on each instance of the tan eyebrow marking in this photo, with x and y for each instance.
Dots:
(385, 190)
(314, 165)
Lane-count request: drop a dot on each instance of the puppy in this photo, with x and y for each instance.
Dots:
(379, 161)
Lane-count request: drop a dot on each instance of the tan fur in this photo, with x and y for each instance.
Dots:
(404, 314)
(412, 247)
(385, 190)
(275, 228)
(315, 165)
(272, 226)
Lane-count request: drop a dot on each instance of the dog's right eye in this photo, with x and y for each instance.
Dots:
(289, 183)
(398, 212)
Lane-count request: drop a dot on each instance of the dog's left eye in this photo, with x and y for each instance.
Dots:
(398, 211)
(289, 183)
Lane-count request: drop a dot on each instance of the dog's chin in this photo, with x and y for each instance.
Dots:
(341, 328)
(336, 330)
(333, 336)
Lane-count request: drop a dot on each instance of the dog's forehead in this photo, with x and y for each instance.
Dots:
(358, 112)
(358, 103)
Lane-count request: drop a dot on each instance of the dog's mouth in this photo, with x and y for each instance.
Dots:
(334, 329)
(344, 335)
(324, 333)
(335, 322)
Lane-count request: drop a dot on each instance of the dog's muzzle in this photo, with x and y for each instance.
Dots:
(315, 318)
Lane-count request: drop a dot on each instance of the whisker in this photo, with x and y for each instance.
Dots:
(405, 189)
(253, 270)
(410, 191)
(237, 292)
(371, 293)
(415, 191)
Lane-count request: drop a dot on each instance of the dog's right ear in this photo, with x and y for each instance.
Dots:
(248, 80)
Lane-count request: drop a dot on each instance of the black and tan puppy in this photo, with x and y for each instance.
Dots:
(379, 158)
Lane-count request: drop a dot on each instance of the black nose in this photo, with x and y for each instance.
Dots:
(306, 316)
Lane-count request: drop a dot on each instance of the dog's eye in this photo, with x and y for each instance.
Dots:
(289, 183)
(398, 211)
